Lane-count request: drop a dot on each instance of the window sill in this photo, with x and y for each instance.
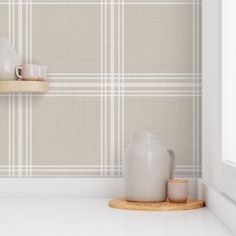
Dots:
(219, 204)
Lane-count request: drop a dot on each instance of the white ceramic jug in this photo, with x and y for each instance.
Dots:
(8, 60)
(148, 165)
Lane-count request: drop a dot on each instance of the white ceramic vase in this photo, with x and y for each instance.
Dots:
(147, 168)
(8, 60)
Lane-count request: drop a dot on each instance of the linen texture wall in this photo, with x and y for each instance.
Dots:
(114, 67)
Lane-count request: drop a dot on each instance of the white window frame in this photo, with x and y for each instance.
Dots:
(227, 175)
(221, 174)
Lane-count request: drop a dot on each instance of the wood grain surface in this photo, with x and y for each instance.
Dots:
(155, 206)
(18, 86)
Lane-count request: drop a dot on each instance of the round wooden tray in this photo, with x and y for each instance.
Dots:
(156, 206)
(19, 86)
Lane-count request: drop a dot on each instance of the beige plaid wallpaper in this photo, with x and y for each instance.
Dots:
(115, 67)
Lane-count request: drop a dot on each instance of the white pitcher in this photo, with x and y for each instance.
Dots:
(148, 165)
(8, 60)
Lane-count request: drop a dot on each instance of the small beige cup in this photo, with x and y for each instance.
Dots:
(28, 71)
(177, 190)
(31, 72)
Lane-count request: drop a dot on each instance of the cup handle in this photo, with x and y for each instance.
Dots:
(172, 163)
(18, 71)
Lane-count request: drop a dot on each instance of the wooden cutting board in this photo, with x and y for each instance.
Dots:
(156, 206)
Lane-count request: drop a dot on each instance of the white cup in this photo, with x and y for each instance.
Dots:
(31, 72)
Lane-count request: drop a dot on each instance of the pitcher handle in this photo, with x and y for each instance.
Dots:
(172, 163)
(18, 71)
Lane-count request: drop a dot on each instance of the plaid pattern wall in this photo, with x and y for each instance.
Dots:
(115, 66)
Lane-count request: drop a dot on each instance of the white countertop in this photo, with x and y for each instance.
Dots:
(92, 217)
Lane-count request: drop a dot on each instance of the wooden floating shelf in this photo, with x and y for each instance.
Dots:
(19, 86)
(156, 206)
